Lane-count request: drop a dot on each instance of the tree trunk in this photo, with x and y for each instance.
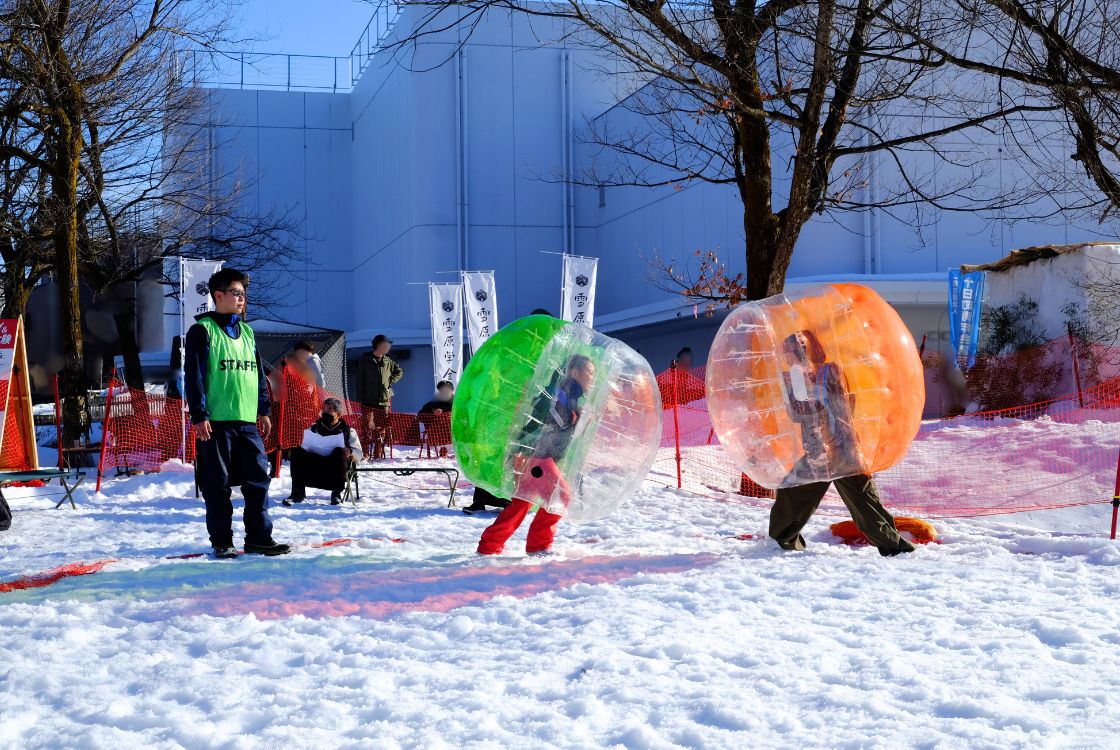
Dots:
(765, 271)
(16, 294)
(64, 199)
(762, 228)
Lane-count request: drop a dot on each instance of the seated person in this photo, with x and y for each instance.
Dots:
(329, 448)
(442, 400)
(435, 417)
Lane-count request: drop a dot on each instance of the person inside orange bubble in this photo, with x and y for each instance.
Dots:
(546, 438)
(819, 400)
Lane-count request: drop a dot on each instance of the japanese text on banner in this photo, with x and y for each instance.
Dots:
(447, 331)
(481, 301)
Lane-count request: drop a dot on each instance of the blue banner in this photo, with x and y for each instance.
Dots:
(966, 297)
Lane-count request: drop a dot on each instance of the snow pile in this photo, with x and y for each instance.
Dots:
(656, 627)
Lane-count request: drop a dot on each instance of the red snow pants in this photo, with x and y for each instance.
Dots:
(541, 532)
(540, 479)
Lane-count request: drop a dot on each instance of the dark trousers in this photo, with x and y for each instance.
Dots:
(485, 497)
(234, 455)
(793, 506)
(312, 470)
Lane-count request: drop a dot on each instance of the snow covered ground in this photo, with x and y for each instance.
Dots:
(656, 627)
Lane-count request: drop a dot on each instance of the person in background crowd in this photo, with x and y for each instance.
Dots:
(680, 384)
(329, 448)
(435, 418)
(308, 363)
(175, 382)
(228, 401)
(442, 400)
(545, 440)
(377, 374)
(954, 387)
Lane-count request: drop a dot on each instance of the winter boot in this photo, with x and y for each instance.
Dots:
(269, 548)
(904, 545)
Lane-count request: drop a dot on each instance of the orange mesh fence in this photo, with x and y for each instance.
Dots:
(1003, 381)
(1050, 454)
(144, 430)
(1053, 453)
(52, 576)
(301, 403)
(13, 454)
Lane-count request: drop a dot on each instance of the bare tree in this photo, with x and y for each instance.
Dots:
(784, 100)
(61, 53)
(105, 159)
(1058, 53)
(24, 231)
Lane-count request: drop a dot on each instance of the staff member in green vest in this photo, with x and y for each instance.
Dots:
(228, 401)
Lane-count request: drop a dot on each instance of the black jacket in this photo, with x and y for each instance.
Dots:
(553, 421)
(350, 437)
(434, 404)
(376, 378)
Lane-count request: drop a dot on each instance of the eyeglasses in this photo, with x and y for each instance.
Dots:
(239, 293)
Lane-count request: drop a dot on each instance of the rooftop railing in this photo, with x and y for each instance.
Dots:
(262, 70)
(253, 70)
(385, 15)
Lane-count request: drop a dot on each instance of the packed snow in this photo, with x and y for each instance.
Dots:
(673, 622)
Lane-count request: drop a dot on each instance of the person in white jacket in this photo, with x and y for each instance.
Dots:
(329, 448)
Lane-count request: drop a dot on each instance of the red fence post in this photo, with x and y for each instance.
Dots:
(106, 424)
(390, 436)
(280, 418)
(676, 418)
(1076, 366)
(58, 421)
(1116, 499)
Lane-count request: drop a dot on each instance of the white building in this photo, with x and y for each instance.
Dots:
(455, 162)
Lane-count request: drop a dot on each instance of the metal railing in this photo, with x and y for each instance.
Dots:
(385, 16)
(251, 70)
(205, 68)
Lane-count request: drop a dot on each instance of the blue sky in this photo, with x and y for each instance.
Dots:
(304, 27)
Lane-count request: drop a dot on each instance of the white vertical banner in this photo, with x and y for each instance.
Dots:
(194, 299)
(482, 306)
(447, 331)
(194, 293)
(577, 302)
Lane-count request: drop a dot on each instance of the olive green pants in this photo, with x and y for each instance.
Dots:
(793, 506)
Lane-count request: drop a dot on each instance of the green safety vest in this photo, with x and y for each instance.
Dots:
(232, 380)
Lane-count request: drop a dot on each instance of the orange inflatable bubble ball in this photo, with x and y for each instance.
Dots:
(814, 386)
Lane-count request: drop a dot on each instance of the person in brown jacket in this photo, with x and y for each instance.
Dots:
(377, 374)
